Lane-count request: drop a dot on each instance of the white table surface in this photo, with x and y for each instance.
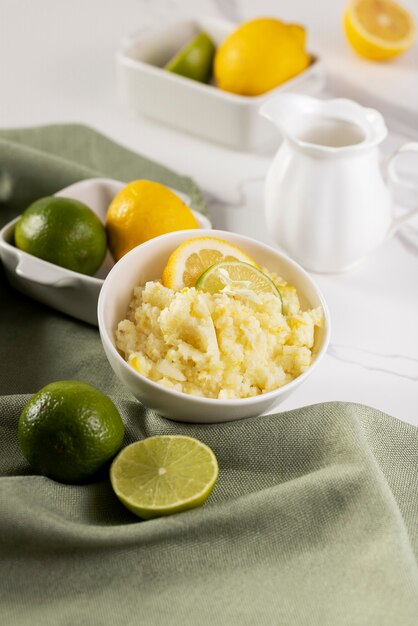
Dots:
(57, 65)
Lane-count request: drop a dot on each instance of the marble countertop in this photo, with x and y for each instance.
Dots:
(58, 66)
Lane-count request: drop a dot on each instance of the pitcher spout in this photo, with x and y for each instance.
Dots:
(324, 126)
(281, 109)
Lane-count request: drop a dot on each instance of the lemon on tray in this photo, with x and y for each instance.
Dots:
(195, 256)
(195, 59)
(68, 430)
(378, 29)
(164, 474)
(62, 231)
(260, 55)
(141, 211)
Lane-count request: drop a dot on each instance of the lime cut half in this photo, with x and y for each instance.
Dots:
(237, 278)
(195, 60)
(164, 474)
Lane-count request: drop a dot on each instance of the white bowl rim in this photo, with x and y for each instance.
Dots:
(275, 393)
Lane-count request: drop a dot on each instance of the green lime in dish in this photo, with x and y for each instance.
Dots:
(68, 430)
(164, 474)
(237, 277)
(63, 231)
(195, 59)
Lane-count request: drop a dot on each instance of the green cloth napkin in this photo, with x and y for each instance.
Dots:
(313, 520)
(36, 162)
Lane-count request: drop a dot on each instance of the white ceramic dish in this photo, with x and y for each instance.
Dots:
(146, 262)
(191, 106)
(62, 289)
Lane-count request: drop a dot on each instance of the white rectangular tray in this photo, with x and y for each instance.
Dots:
(194, 107)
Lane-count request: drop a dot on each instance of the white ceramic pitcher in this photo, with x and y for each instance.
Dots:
(327, 202)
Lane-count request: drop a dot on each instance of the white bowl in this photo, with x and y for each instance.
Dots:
(189, 105)
(67, 291)
(146, 262)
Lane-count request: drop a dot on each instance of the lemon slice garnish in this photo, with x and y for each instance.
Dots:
(193, 257)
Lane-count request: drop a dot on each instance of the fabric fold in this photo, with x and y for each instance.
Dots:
(306, 525)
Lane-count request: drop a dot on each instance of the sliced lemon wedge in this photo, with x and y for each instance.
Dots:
(379, 29)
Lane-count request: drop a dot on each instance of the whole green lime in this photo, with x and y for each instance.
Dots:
(68, 430)
(63, 231)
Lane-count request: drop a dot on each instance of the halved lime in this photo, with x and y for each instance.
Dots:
(164, 474)
(195, 60)
(236, 278)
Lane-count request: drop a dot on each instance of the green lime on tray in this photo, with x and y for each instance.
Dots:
(195, 59)
(68, 430)
(164, 474)
(236, 277)
(63, 231)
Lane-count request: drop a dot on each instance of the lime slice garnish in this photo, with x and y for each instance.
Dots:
(195, 60)
(164, 474)
(237, 278)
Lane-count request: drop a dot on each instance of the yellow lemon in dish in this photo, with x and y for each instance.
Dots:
(260, 55)
(141, 211)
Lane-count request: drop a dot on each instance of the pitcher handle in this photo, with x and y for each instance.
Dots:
(397, 180)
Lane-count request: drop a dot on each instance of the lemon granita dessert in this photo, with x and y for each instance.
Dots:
(238, 332)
